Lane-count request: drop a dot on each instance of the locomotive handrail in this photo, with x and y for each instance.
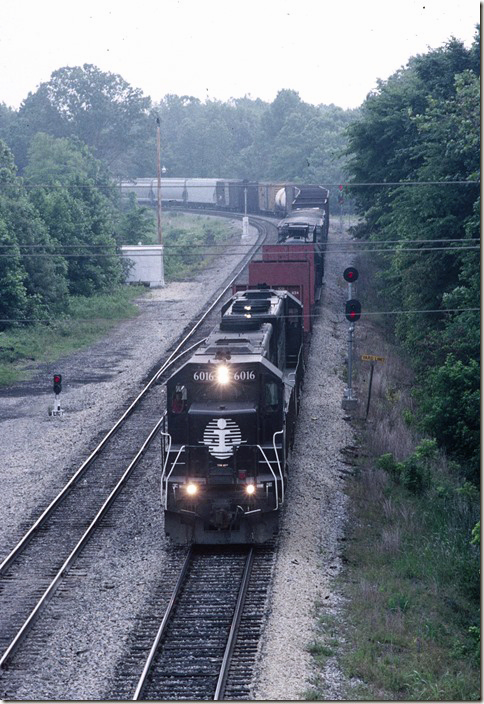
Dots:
(169, 475)
(273, 474)
(165, 463)
(279, 432)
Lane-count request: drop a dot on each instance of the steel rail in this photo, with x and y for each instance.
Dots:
(87, 534)
(162, 628)
(97, 451)
(232, 639)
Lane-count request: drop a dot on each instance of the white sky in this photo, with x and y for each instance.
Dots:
(330, 51)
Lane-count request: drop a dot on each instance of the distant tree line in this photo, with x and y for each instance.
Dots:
(287, 139)
(71, 141)
(422, 126)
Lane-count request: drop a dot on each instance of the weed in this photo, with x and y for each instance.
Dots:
(411, 627)
(88, 319)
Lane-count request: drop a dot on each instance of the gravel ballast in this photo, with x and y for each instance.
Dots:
(90, 621)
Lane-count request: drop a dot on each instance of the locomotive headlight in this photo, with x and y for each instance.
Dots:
(250, 489)
(223, 376)
(191, 489)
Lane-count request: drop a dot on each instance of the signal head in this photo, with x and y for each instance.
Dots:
(353, 310)
(350, 274)
(57, 383)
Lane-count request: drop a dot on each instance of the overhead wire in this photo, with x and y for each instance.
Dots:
(364, 314)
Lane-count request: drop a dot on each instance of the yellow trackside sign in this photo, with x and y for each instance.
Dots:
(372, 358)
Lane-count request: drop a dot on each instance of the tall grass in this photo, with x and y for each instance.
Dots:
(87, 320)
(409, 626)
(193, 241)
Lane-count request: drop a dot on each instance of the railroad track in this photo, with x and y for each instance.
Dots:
(206, 644)
(35, 567)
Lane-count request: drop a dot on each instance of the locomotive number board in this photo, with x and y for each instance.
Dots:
(207, 376)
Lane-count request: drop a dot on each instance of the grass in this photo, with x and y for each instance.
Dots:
(190, 245)
(411, 587)
(86, 321)
(409, 625)
(192, 242)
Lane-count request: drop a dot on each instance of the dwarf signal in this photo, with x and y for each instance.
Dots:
(57, 384)
(57, 410)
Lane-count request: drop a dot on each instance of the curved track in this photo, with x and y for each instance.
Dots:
(32, 571)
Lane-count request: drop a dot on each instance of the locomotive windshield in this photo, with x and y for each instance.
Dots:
(219, 384)
(232, 392)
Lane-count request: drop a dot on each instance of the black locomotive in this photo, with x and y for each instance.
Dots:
(230, 421)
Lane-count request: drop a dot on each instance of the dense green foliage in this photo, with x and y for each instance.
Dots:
(287, 140)
(57, 230)
(100, 109)
(65, 149)
(422, 126)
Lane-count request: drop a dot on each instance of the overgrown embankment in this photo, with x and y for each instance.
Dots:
(409, 625)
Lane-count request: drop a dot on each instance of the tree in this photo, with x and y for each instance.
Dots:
(423, 126)
(101, 109)
(74, 198)
(33, 278)
(14, 300)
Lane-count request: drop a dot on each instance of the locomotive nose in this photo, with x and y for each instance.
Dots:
(221, 518)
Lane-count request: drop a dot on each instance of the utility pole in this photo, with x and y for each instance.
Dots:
(245, 219)
(158, 163)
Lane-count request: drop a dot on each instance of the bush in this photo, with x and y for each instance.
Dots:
(414, 472)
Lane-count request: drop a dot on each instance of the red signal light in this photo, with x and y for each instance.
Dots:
(350, 274)
(57, 383)
(353, 310)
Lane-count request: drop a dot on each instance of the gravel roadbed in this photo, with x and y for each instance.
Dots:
(39, 451)
(89, 621)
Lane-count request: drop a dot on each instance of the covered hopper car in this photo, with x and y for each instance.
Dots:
(227, 194)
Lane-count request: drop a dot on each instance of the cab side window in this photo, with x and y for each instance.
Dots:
(271, 397)
(179, 399)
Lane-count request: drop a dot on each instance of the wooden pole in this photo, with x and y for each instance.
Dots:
(369, 389)
(158, 146)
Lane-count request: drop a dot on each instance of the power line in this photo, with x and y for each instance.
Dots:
(364, 313)
(227, 183)
(328, 245)
(210, 252)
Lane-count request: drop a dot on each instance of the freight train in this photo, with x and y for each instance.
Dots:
(240, 196)
(232, 407)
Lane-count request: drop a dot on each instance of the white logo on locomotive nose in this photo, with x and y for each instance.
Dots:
(222, 436)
